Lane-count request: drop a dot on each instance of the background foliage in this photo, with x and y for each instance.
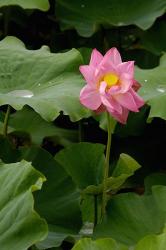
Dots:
(53, 139)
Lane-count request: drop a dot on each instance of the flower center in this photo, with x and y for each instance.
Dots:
(111, 79)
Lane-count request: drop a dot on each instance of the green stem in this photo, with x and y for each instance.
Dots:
(106, 167)
(5, 125)
(95, 210)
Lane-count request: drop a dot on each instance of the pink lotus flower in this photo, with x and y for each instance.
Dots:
(110, 85)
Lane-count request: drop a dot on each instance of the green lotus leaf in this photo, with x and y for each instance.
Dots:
(154, 39)
(20, 225)
(84, 162)
(8, 153)
(47, 82)
(135, 125)
(102, 119)
(100, 244)
(126, 166)
(153, 180)
(85, 158)
(58, 201)
(153, 89)
(152, 242)
(86, 16)
(131, 217)
(30, 4)
(28, 121)
(88, 159)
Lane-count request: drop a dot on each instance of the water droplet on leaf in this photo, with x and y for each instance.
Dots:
(21, 93)
(161, 90)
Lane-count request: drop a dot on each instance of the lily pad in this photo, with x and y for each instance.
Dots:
(20, 225)
(47, 82)
(30, 4)
(153, 89)
(86, 16)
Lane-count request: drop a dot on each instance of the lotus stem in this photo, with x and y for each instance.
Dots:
(106, 167)
(5, 125)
